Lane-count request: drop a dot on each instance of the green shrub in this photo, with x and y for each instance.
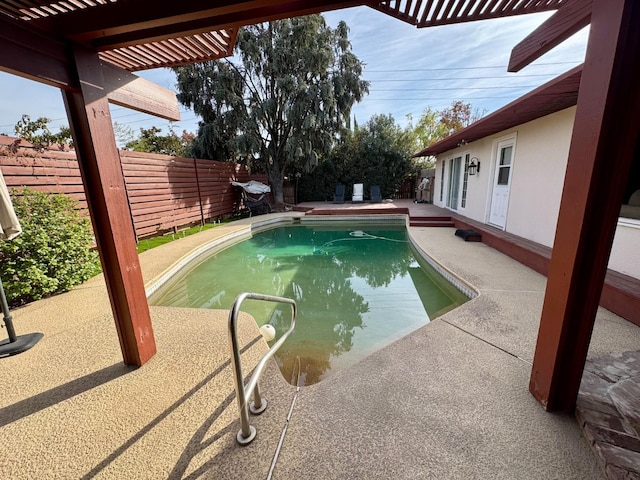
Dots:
(52, 254)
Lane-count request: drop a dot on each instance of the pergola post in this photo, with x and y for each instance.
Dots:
(90, 119)
(605, 137)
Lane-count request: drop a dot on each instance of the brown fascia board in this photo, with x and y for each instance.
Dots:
(556, 95)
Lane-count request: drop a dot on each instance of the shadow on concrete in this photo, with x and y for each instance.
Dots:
(228, 459)
(198, 443)
(143, 431)
(43, 400)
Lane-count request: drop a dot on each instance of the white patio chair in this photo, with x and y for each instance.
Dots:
(358, 193)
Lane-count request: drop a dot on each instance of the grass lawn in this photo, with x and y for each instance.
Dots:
(152, 242)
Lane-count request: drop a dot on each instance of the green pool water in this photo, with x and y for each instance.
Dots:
(357, 290)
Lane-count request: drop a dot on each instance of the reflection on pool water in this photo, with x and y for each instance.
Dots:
(357, 290)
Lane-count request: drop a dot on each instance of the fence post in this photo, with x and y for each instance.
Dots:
(126, 191)
(195, 166)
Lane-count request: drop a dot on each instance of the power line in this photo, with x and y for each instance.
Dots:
(484, 77)
(437, 98)
(443, 79)
(469, 68)
(51, 120)
(118, 117)
(451, 88)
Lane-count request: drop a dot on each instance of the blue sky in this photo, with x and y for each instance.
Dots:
(409, 69)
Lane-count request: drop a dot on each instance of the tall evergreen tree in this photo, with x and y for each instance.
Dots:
(282, 103)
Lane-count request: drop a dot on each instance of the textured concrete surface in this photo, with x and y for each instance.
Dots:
(438, 404)
(447, 401)
(74, 411)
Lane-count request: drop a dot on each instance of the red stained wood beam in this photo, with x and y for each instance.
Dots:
(129, 16)
(32, 55)
(129, 90)
(29, 54)
(232, 20)
(122, 24)
(569, 19)
(605, 137)
(88, 112)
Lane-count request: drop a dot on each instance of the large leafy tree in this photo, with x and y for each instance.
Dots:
(458, 116)
(428, 130)
(376, 153)
(435, 125)
(281, 102)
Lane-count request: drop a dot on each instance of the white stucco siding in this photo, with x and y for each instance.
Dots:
(478, 184)
(475, 205)
(542, 149)
(539, 166)
(625, 254)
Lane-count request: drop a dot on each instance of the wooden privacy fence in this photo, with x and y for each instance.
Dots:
(407, 190)
(167, 192)
(50, 171)
(164, 192)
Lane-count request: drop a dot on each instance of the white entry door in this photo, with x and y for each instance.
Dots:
(501, 185)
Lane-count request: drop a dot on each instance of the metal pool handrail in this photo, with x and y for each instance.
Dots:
(248, 432)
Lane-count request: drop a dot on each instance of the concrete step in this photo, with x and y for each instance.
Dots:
(349, 210)
(430, 222)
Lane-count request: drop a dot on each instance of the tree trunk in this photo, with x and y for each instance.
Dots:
(277, 187)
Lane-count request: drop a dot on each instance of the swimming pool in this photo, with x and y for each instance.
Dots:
(358, 288)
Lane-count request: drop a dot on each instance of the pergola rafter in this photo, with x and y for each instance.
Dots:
(569, 19)
(432, 13)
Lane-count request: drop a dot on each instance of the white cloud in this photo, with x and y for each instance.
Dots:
(411, 69)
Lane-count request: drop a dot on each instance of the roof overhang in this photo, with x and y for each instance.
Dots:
(556, 95)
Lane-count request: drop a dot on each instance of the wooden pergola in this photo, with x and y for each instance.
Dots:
(88, 49)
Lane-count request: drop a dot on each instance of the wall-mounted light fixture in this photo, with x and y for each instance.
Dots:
(474, 166)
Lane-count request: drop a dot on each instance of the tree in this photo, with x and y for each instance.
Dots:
(377, 153)
(123, 133)
(151, 141)
(38, 134)
(282, 103)
(429, 129)
(435, 125)
(458, 116)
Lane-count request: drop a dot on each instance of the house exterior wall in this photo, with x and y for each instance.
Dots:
(542, 150)
(477, 185)
(625, 254)
(538, 170)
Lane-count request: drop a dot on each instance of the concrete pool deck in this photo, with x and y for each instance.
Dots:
(447, 401)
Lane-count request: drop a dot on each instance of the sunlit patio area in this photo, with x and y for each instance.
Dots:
(449, 400)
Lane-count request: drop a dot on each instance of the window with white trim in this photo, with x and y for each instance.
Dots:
(442, 181)
(465, 181)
